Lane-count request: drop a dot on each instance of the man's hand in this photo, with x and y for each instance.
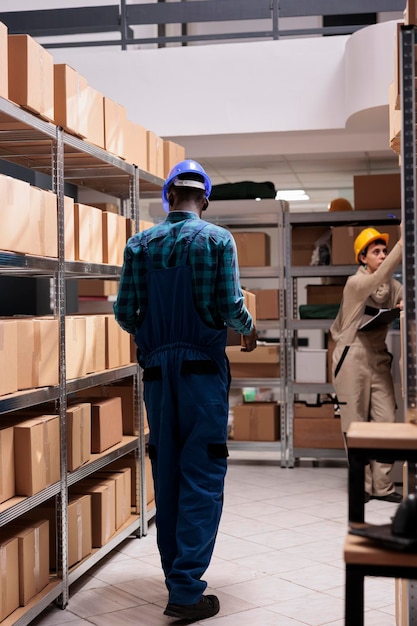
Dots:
(250, 341)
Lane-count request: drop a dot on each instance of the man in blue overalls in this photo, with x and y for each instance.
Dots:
(179, 290)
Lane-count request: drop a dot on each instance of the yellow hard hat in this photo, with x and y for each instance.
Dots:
(366, 237)
(340, 204)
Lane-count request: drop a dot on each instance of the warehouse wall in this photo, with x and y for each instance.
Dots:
(259, 87)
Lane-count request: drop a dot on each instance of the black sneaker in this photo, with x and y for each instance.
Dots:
(207, 606)
(390, 497)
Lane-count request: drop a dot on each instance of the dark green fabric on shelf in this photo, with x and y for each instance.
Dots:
(318, 311)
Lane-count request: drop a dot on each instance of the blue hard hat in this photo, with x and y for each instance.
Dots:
(177, 176)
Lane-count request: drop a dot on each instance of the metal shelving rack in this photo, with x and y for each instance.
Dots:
(294, 325)
(407, 50)
(231, 214)
(31, 142)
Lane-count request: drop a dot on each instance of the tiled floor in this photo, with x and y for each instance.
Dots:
(278, 559)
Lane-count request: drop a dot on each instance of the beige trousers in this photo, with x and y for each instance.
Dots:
(365, 392)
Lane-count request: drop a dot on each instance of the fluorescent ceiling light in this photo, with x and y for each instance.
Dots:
(292, 194)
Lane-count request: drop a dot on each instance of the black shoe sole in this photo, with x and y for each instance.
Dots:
(192, 613)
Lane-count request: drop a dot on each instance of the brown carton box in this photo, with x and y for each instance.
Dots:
(233, 337)
(135, 142)
(103, 508)
(75, 346)
(121, 464)
(92, 111)
(117, 344)
(8, 357)
(43, 208)
(303, 243)
(7, 471)
(88, 233)
(26, 356)
(78, 435)
(324, 294)
(377, 191)
(9, 578)
(45, 371)
(33, 547)
(36, 454)
(253, 248)
(123, 391)
(256, 421)
(173, 154)
(114, 121)
(318, 433)
(69, 87)
(155, 148)
(95, 287)
(4, 74)
(267, 304)
(95, 343)
(106, 424)
(263, 362)
(110, 238)
(31, 75)
(310, 411)
(122, 482)
(15, 216)
(69, 226)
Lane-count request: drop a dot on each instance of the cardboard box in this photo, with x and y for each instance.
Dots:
(4, 74)
(310, 365)
(33, 550)
(79, 528)
(69, 87)
(114, 121)
(377, 191)
(117, 344)
(75, 346)
(8, 357)
(324, 294)
(46, 368)
(95, 343)
(110, 238)
(31, 75)
(267, 304)
(88, 233)
(123, 391)
(303, 243)
(122, 481)
(36, 454)
(233, 337)
(97, 288)
(318, 433)
(131, 462)
(103, 508)
(69, 226)
(155, 149)
(106, 424)
(9, 578)
(43, 207)
(343, 238)
(7, 471)
(135, 143)
(410, 14)
(253, 248)
(310, 411)
(15, 216)
(92, 111)
(256, 421)
(263, 362)
(173, 154)
(78, 435)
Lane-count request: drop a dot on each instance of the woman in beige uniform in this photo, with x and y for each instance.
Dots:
(361, 362)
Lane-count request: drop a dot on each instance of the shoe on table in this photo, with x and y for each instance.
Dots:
(390, 497)
(206, 607)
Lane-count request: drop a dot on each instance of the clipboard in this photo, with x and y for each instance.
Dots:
(382, 318)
